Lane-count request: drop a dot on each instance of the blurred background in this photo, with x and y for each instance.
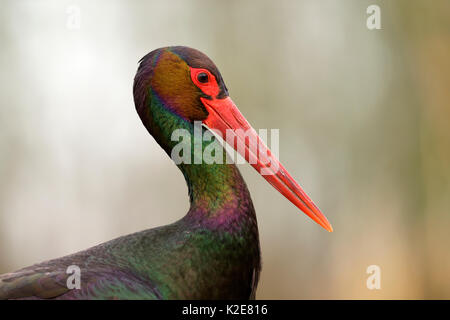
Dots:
(363, 118)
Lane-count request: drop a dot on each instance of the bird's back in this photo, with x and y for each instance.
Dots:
(178, 261)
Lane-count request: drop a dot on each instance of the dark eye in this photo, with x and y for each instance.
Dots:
(202, 77)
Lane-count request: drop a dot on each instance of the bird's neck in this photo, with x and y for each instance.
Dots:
(218, 194)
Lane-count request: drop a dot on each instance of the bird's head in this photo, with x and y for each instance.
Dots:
(180, 77)
(187, 84)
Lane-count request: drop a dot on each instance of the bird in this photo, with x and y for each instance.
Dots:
(213, 251)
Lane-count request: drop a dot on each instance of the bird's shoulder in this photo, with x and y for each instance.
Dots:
(104, 271)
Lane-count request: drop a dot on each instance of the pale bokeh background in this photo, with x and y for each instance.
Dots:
(364, 119)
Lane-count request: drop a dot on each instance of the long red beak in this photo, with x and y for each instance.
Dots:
(225, 117)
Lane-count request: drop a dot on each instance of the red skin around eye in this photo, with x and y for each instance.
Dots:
(210, 88)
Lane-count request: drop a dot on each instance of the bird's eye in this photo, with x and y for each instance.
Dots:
(202, 77)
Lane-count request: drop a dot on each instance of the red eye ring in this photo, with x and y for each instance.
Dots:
(210, 87)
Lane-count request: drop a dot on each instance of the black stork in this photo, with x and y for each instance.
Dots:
(213, 252)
